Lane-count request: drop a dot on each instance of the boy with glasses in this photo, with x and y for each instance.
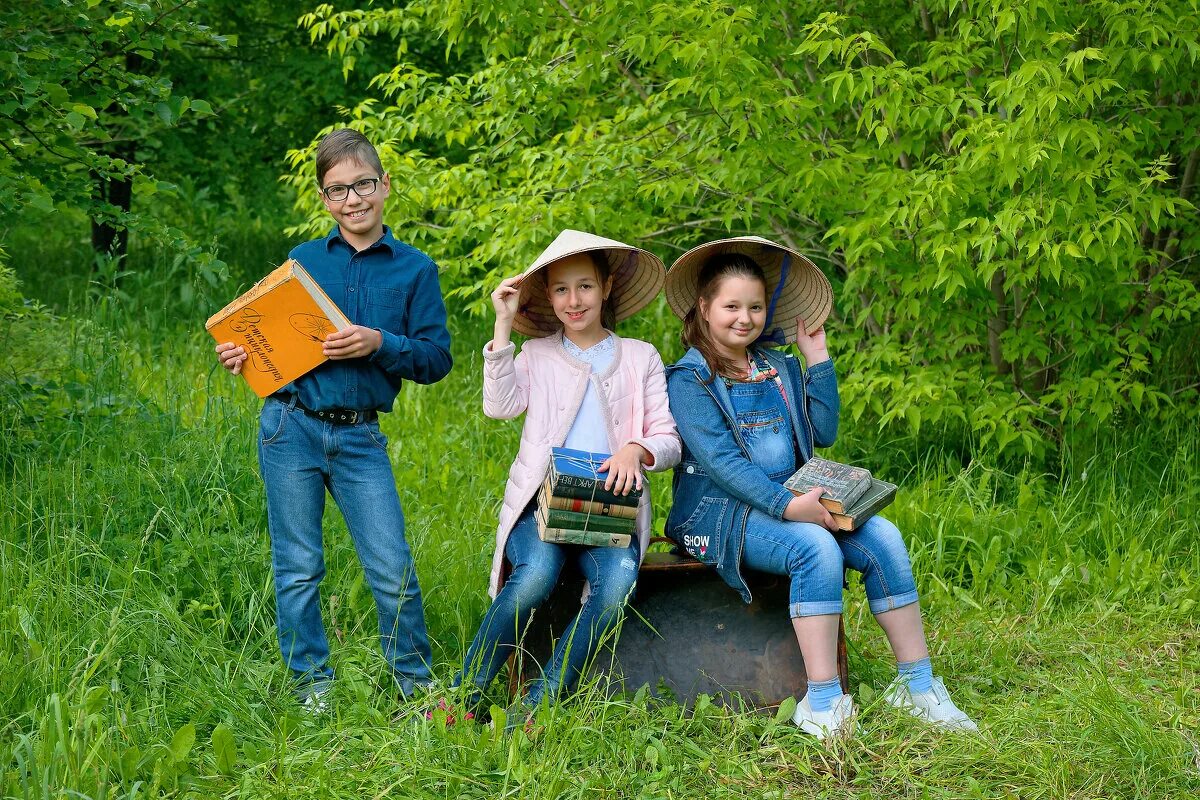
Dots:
(321, 432)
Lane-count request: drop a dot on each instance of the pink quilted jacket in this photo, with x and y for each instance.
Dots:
(547, 384)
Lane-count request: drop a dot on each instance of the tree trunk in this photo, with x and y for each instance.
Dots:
(109, 238)
(997, 325)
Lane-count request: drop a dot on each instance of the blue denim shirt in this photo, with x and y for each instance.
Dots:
(717, 481)
(393, 288)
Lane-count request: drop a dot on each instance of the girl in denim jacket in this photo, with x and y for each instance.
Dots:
(580, 386)
(749, 417)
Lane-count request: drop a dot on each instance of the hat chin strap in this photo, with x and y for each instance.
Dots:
(776, 335)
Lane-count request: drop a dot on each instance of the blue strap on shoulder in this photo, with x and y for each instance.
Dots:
(776, 335)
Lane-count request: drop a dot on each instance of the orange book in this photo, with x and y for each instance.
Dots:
(281, 322)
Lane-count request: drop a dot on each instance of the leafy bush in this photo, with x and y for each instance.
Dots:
(1001, 193)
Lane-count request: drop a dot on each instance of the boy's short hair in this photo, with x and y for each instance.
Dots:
(345, 144)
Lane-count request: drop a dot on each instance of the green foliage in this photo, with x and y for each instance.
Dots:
(1001, 192)
(84, 90)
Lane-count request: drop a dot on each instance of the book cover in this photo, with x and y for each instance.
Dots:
(556, 518)
(282, 323)
(574, 473)
(879, 496)
(587, 506)
(843, 484)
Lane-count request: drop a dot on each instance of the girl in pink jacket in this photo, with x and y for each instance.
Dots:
(579, 386)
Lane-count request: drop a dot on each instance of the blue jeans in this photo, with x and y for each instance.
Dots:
(814, 559)
(610, 572)
(300, 457)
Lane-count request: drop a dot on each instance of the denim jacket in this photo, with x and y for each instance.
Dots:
(716, 484)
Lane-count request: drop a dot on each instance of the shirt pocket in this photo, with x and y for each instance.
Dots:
(386, 309)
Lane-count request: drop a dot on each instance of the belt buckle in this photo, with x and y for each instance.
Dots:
(353, 417)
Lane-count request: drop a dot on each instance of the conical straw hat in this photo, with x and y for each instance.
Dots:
(637, 278)
(800, 291)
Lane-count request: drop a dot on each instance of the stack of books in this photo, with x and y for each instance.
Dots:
(852, 495)
(575, 508)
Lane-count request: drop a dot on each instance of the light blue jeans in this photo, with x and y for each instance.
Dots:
(299, 458)
(814, 558)
(610, 572)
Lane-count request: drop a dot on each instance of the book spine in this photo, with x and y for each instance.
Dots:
(590, 507)
(590, 489)
(588, 522)
(588, 538)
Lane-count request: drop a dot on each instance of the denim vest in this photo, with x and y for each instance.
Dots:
(734, 459)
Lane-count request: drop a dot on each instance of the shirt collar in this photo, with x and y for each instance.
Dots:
(387, 240)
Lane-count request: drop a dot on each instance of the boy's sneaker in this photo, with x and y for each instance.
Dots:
(837, 721)
(934, 706)
(316, 702)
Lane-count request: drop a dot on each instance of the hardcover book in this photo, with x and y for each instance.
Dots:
(879, 496)
(571, 536)
(587, 506)
(281, 322)
(842, 483)
(556, 518)
(574, 473)
(586, 538)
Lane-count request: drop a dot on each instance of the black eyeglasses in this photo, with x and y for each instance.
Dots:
(338, 192)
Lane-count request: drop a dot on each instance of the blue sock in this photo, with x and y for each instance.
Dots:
(919, 674)
(821, 694)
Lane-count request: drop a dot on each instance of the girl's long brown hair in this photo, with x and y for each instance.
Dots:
(695, 328)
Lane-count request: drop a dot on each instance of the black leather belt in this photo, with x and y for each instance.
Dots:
(338, 416)
(343, 416)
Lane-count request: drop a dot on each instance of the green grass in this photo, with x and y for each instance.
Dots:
(137, 642)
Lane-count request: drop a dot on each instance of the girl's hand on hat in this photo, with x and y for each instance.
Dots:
(624, 469)
(353, 342)
(506, 298)
(807, 508)
(232, 357)
(812, 345)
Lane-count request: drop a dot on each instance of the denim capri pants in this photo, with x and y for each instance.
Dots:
(814, 558)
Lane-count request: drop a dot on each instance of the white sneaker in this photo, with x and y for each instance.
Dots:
(934, 706)
(315, 703)
(837, 721)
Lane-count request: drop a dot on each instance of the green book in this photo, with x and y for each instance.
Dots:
(587, 538)
(590, 538)
(556, 518)
(879, 496)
